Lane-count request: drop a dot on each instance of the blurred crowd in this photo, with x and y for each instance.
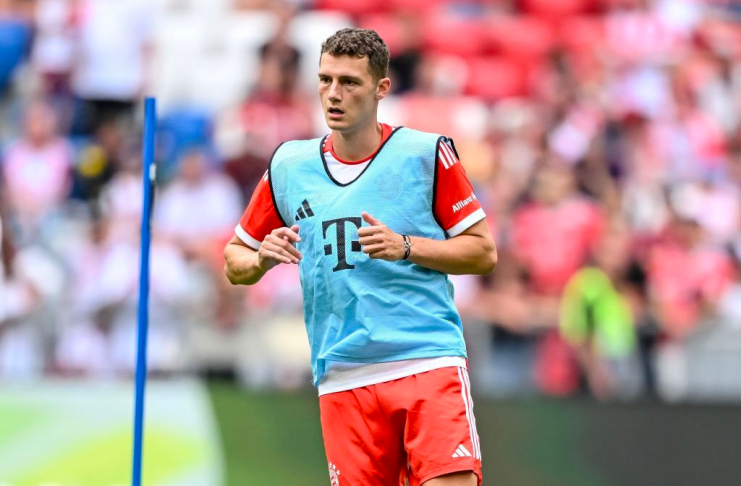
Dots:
(603, 138)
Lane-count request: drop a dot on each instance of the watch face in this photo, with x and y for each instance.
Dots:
(407, 246)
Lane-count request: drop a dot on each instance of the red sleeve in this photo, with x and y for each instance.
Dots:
(456, 205)
(260, 217)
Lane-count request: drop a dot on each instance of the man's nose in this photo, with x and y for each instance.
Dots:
(334, 92)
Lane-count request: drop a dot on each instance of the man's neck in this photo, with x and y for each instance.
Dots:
(359, 144)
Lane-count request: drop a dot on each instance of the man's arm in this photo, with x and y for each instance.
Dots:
(471, 252)
(246, 266)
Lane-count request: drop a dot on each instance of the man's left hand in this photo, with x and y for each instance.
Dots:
(379, 242)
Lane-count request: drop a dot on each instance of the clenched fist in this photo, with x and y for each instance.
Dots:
(379, 242)
(278, 247)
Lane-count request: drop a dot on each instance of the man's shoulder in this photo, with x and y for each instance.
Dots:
(412, 134)
(417, 141)
(301, 142)
(297, 149)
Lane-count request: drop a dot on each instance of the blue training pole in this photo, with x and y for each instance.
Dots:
(149, 167)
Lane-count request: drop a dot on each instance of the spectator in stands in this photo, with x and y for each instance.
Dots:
(597, 319)
(36, 169)
(405, 54)
(713, 203)
(687, 276)
(32, 283)
(198, 206)
(551, 236)
(99, 335)
(53, 53)
(196, 213)
(98, 162)
(275, 111)
(97, 294)
(19, 297)
(109, 75)
(553, 232)
(121, 198)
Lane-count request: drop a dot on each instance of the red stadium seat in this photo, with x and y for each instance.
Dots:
(721, 35)
(449, 34)
(388, 27)
(583, 32)
(355, 8)
(556, 8)
(416, 6)
(521, 37)
(605, 5)
(428, 113)
(495, 78)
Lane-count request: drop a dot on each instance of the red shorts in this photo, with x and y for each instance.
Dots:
(417, 428)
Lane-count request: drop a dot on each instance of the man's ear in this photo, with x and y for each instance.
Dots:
(383, 88)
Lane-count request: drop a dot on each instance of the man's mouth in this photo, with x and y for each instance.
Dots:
(335, 111)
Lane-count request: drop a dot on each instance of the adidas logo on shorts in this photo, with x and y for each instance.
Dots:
(461, 451)
(304, 211)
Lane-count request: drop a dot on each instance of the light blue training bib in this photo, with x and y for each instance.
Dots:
(358, 309)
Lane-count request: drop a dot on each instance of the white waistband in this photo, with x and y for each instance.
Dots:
(340, 376)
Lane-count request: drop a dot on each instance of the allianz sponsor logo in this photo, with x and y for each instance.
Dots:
(463, 203)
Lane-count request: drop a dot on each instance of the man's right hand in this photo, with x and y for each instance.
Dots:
(278, 247)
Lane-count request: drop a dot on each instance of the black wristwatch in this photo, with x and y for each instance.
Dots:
(407, 246)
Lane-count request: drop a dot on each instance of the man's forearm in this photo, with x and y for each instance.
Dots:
(245, 266)
(464, 254)
(242, 265)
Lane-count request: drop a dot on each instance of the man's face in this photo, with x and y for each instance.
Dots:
(348, 91)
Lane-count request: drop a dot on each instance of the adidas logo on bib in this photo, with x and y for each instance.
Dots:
(304, 211)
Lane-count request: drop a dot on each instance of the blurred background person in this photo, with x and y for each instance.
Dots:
(687, 276)
(37, 171)
(274, 111)
(111, 56)
(196, 212)
(598, 316)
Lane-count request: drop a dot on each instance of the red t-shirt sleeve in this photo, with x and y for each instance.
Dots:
(456, 205)
(260, 218)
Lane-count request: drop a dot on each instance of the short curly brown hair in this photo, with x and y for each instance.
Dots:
(360, 43)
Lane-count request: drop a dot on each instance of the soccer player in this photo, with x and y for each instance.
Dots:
(376, 217)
